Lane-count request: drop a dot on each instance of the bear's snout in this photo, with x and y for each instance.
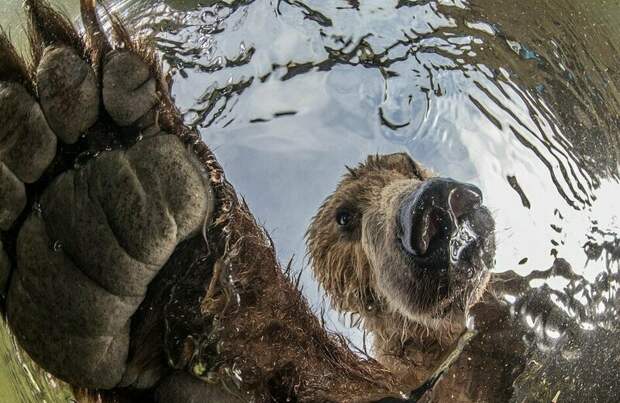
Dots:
(433, 212)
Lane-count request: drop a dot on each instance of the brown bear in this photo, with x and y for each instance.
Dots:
(410, 253)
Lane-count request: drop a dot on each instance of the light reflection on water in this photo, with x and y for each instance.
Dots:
(289, 92)
(521, 99)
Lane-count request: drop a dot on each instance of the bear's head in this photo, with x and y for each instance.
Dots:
(394, 236)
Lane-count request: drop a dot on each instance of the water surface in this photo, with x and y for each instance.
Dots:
(520, 98)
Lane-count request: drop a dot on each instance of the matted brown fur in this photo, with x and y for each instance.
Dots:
(412, 347)
(47, 27)
(292, 356)
(340, 263)
(12, 66)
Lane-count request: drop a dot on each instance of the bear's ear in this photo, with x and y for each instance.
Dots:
(399, 162)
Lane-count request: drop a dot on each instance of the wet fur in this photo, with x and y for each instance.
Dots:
(365, 273)
(363, 269)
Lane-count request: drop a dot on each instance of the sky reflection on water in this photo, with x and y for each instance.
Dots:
(520, 98)
(290, 92)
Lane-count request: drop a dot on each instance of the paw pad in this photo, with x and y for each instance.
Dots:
(82, 262)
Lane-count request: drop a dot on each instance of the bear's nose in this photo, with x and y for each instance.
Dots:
(433, 211)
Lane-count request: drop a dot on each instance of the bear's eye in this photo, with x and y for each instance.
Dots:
(344, 218)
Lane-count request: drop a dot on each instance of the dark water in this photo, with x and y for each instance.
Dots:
(521, 98)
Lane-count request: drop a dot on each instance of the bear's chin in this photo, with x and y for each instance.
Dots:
(450, 311)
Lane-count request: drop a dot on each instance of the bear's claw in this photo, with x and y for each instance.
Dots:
(83, 259)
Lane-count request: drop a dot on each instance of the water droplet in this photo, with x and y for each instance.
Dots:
(462, 238)
(470, 273)
(83, 158)
(36, 207)
(57, 246)
(235, 374)
(470, 322)
(212, 377)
